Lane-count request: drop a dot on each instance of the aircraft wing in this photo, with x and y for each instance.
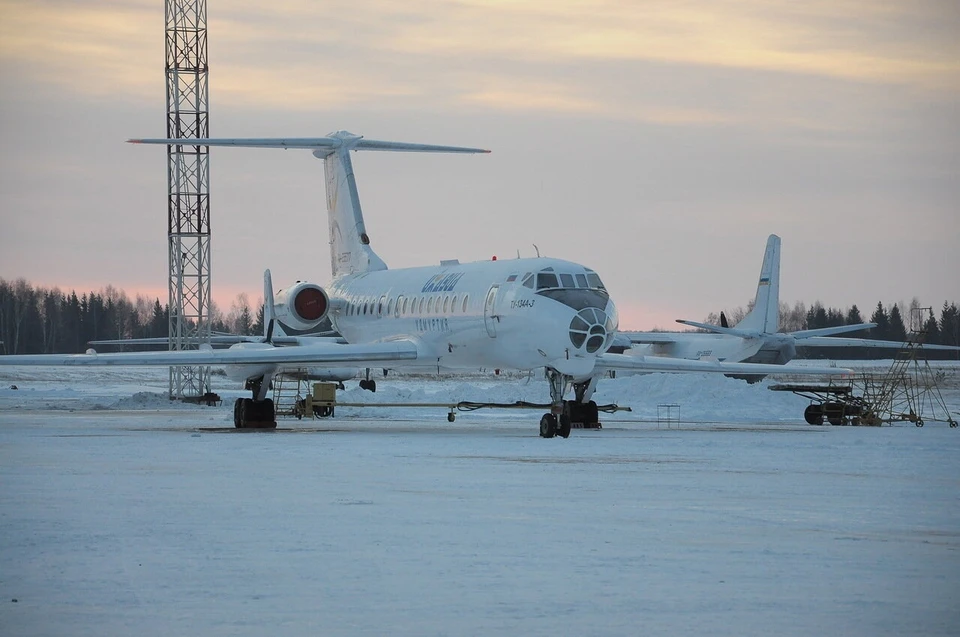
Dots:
(227, 339)
(649, 338)
(833, 341)
(216, 339)
(607, 362)
(313, 355)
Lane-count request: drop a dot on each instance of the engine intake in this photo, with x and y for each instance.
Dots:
(302, 306)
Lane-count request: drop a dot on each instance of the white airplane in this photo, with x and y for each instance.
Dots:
(755, 338)
(519, 314)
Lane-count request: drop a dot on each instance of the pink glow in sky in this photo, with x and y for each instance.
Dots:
(657, 142)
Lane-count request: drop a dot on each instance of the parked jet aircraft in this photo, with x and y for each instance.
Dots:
(517, 314)
(755, 338)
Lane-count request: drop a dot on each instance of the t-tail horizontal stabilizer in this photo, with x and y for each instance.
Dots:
(340, 139)
(350, 249)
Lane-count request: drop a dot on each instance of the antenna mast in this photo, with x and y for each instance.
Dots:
(188, 178)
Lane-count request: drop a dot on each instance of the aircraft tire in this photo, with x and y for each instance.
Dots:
(245, 412)
(548, 426)
(563, 430)
(813, 414)
(593, 414)
(835, 413)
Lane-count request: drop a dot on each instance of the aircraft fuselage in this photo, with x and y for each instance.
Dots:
(495, 314)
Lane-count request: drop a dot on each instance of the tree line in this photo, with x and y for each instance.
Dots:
(36, 320)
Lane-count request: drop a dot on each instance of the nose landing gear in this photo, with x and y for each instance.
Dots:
(579, 413)
(555, 421)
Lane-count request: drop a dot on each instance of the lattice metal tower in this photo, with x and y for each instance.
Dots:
(188, 178)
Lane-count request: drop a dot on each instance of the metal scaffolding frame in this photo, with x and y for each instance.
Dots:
(188, 179)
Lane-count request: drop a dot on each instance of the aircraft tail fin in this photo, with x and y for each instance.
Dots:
(765, 315)
(350, 250)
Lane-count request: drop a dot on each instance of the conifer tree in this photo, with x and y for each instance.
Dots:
(932, 331)
(159, 321)
(258, 324)
(879, 316)
(853, 316)
(950, 324)
(898, 332)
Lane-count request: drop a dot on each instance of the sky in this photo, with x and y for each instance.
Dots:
(659, 143)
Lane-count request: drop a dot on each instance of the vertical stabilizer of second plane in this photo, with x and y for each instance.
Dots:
(764, 318)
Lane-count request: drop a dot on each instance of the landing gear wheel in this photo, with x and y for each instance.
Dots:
(563, 430)
(593, 414)
(919, 422)
(835, 413)
(246, 412)
(370, 385)
(813, 414)
(953, 424)
(548, 426)
(254, 414)
(451, 417)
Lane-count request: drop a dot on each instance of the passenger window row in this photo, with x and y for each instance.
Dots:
(408, 306)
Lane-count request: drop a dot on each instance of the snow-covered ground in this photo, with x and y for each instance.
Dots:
(122, 513)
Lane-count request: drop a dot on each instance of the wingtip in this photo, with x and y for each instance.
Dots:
(134, 141)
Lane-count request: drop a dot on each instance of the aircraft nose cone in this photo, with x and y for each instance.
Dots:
(593, 328)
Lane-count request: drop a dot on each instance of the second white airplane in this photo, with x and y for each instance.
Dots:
(511, 314)
(755, 338)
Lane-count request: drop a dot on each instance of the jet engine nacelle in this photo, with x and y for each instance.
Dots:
(301, 306)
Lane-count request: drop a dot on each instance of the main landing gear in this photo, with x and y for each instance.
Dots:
(257, 412)
(564, 415)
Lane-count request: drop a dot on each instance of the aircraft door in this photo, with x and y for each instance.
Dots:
(489, 316)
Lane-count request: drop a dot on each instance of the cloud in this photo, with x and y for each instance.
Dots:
(481, 53)
(99, 48)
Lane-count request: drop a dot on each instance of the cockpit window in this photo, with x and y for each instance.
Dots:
(581, 280)
(566, 280)
(547, 280)
(528, 280)
(595, 282)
